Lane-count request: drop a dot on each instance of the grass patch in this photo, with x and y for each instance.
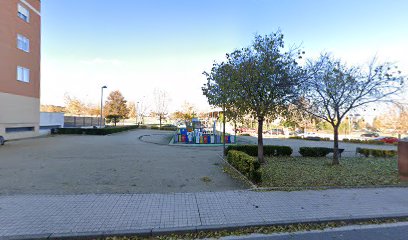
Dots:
(289, 228)
(301, 172)
(206, 179)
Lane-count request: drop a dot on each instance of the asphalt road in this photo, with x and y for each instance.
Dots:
(395, 231)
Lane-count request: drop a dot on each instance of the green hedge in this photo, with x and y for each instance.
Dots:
(296, 137)
(376, 152)
(94, 131)
(314, 151)
(269, 150)
(311, 138)
(167, 128)
(247, 165)
(363, 141)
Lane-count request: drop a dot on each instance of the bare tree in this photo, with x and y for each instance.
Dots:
(74, 106)
(132, 110)
(332, 89)
(161, 102)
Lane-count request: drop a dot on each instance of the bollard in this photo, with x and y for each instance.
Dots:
(403, 160)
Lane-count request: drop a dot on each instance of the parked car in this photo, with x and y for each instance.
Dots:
(308, 134)
(370, 135)
(387, 139)
(275, 131)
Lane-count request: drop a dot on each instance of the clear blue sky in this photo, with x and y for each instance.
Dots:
(135, 46)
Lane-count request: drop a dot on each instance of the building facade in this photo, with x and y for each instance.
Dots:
(20, 54)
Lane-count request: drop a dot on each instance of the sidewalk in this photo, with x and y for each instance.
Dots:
(30, 216)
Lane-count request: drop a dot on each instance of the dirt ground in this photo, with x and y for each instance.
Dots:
(118, 163)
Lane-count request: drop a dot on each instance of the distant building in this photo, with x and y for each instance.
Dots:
(20, 44)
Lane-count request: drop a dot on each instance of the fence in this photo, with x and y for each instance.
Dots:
(71, 121)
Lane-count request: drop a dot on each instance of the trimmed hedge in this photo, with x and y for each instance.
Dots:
(376, 152)
(269, 150)
(363, 141)
(314, 151)
(296, 137)
(167, 128)
(311, 138)
(247, 165)
(94, 131)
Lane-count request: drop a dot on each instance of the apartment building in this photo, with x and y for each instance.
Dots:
(20, 44)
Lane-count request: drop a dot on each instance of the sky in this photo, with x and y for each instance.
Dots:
(136, 46)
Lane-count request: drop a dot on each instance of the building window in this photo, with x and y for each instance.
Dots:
(23, 13)
(19, 129)
(23, 74)
(23, 43)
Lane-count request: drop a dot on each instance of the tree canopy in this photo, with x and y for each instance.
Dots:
(333, 89)
(260, 80)
(115, 107)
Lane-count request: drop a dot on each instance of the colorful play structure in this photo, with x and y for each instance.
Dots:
(196, 133)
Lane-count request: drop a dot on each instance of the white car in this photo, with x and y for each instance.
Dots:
(308, 134)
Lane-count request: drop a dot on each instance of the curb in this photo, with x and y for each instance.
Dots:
(152, 232)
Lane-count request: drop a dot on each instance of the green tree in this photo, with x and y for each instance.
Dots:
(115, 107)
(219, 92)
(333, 89)
(260, 80)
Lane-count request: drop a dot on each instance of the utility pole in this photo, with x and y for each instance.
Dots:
(100, 123)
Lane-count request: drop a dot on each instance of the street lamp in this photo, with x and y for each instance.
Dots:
(100, 123)
(137, 113)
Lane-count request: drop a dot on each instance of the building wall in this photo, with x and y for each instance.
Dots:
(51, 119)
(18, 111)
(19, 101)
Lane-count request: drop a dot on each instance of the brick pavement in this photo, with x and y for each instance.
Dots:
(30, 216)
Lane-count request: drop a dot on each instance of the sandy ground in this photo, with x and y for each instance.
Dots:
(119, 163)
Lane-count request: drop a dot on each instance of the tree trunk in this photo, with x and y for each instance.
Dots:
(336, 146)
(160, 119)
(223, 132)
(260, 141)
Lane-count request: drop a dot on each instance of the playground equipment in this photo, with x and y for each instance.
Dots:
(195, 133)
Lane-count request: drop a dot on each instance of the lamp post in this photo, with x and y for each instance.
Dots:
(100, 123)
(137, 113)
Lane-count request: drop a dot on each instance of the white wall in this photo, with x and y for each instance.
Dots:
(51, 119)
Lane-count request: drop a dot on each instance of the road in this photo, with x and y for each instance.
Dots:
(394, 231)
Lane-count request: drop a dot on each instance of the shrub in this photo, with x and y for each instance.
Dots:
(247, 165)
(376, 152)
(167, 128)
(94, 131)
(295, 137)
(311, 138)
(269, 150)
(245, 134)
(314, 151)
(363, 141)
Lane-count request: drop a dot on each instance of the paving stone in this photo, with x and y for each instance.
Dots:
(79, 215)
